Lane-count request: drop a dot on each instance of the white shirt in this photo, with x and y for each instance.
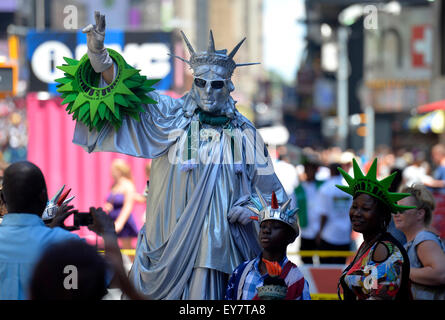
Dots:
(287, 174)
(23, 239)
(414, 175)
(335, 204)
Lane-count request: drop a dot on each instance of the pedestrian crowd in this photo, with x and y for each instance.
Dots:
(199, 240)
(405, 240)
(382, 209)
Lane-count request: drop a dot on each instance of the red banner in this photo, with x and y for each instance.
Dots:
(438, 222)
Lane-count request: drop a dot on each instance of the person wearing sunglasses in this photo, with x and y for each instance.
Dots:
(210, 90)
(198, 227)
(425, 248)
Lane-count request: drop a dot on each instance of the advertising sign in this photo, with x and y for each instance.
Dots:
(146, 51)
(421, 46)
(401, 47)
(398, 60)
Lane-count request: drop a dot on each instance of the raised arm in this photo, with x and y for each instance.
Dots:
(103, 226)
(121, 113)
(99, 57)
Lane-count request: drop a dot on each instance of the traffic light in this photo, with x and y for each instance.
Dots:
(8, 79)
(361, 131)
(9, 75)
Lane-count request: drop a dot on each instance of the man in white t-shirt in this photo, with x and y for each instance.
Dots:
(335, 225)
(287, 174)
(416, 172)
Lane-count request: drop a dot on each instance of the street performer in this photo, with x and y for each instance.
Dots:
(207, 161)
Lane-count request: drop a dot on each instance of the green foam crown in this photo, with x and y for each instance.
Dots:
(370, 185)
(96, 106)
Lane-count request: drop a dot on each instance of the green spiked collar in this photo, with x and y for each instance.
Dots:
(96, 106)
(370, 185)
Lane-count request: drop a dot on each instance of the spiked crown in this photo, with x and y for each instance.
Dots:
(274, 211)
(212, 56)
(370, 185)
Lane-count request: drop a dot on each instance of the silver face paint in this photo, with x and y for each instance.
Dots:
(209, 98)
(212, 65)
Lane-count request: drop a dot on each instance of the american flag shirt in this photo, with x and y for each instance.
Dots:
(246, 278)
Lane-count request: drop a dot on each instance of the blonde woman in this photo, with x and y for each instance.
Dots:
(425, 249)
(120, 202)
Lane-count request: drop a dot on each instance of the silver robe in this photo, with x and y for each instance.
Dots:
(187, 247)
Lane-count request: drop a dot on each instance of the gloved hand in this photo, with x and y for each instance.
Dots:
(96, 33)
(102, 222)
(99, 58)
(63, 212)
(240, 214)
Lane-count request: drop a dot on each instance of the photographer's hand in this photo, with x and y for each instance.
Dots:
(103, 225)
(63, 212)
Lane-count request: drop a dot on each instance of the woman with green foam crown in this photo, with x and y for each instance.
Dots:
(380, 268)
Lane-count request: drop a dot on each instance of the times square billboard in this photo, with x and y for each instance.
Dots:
(146, 51)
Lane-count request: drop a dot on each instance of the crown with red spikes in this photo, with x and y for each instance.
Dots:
(56, 201)
(370, 185)
(274, 211)
(213, 56)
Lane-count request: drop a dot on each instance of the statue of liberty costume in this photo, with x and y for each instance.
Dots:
(207, 161)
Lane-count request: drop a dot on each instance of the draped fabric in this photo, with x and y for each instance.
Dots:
(187, 239)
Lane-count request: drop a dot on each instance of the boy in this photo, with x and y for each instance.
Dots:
(278, 228)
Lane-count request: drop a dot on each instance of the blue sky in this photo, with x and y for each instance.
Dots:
(283, 36)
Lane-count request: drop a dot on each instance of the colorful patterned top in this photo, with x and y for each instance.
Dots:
(367, 279)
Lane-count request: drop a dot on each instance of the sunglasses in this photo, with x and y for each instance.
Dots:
(215, 84)
(403, 212)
